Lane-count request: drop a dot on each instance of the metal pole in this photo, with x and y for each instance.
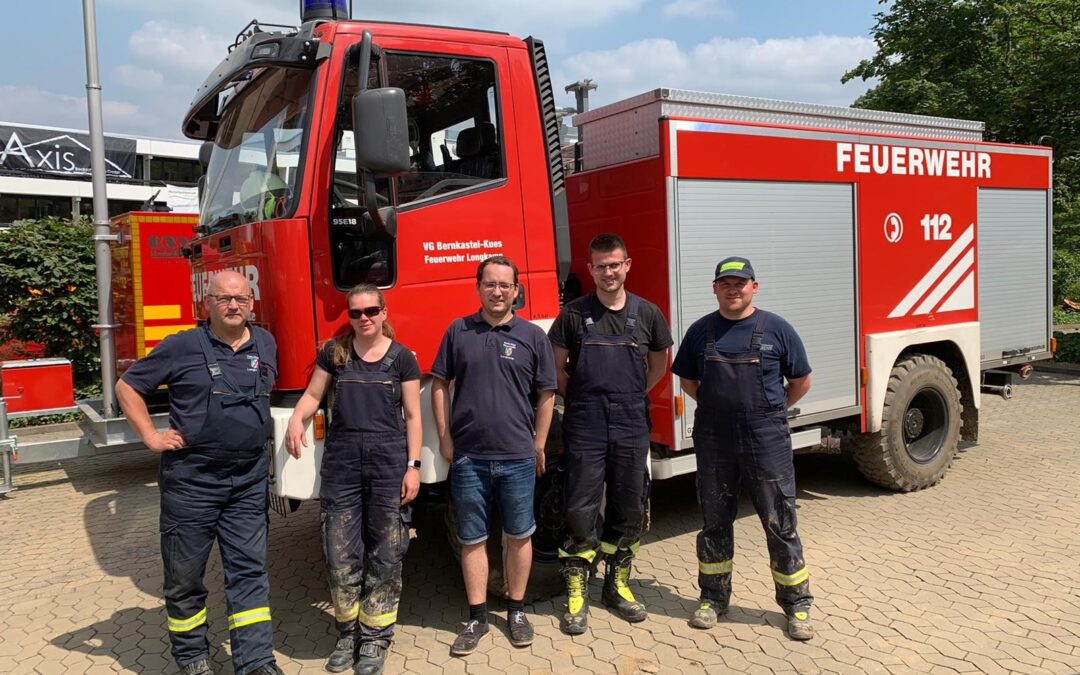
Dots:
(102, 237)
(7, 447)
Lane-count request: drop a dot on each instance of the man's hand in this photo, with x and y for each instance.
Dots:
(295, 438)
(165, 441)
(541, 459)
(446, 449)
(410, 485)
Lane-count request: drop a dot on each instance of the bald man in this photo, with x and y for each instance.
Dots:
(213, 472)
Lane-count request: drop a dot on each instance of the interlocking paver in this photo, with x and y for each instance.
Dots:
(974, 575)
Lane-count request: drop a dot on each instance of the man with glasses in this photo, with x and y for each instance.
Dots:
(611, 348)
(213, 472)
(494, 433)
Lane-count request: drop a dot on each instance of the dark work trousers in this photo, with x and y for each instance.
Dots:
(216, 489)
(606, 429)
(364, 524)
(741, 440)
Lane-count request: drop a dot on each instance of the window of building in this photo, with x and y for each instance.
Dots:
(24, 207)
(176, 171)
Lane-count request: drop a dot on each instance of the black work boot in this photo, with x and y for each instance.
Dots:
(576, 617)
(469, 638)
(268, 669)
(371, 657)
(344, 654)
(617, 594)
(200, 667)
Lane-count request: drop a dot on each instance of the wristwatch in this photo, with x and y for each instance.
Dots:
(413, 464)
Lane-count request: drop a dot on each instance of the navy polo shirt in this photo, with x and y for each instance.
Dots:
(782, 353)
(178, 362)
(496, 371)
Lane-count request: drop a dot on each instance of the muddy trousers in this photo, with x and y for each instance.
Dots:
(365, 530)
(207, 495)
(749, 452)
(607, 441)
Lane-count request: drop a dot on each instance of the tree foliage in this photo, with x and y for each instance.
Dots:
(47, 292)
(1013, 64)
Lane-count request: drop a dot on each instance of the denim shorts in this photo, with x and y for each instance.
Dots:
(476, 485)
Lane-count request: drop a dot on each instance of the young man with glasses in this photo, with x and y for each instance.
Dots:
(213, 473)
(493, 434)
(611, 348)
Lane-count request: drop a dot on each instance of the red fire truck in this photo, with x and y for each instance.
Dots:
(910, 254)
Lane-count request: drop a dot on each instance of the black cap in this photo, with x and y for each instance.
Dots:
(734, 267)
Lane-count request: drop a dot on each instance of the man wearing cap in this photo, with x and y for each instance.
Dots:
(734, 363)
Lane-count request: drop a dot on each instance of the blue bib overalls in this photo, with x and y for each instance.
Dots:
(365, 526)
(216, 488)
(741, 439)
(606, 429)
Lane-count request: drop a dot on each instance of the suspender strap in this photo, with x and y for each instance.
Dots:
(759, 330)
(632, 304)
(391, 356)
(261, 388)
(208, 354)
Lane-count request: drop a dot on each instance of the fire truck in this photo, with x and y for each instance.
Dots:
(910, 254)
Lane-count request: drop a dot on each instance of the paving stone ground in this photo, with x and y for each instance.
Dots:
(978, 574)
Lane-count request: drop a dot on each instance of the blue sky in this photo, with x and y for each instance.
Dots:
(154, 53)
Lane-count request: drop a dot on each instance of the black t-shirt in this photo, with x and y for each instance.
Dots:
(405, 366)
(496, 372)
(651, 330)
(178, 362)
(782, 353)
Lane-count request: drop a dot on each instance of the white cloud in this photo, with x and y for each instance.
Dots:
(696, 8)
(800, 69)
(139, 78)
(31, 105)
(176, 47)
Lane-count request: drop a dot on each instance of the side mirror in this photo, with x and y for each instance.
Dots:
(381, 131)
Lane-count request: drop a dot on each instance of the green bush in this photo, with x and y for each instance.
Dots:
(1068, 347)
(47, 292)
(1066, 275)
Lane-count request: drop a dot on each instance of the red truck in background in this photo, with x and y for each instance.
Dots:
(911, 255)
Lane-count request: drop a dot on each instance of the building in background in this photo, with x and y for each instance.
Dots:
(45, 171)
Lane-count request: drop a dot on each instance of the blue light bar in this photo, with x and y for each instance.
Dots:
(325, 9)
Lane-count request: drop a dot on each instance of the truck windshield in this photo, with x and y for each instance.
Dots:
(253, 168)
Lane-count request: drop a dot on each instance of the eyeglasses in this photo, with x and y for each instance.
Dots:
(609, 267)
(369, 312)
(490, 286)
(226, 300)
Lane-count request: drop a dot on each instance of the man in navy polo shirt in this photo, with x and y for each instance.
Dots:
(213, 473)
(494, 434)
(734, 363)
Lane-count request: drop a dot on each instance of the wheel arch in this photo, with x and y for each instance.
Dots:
(957, 345)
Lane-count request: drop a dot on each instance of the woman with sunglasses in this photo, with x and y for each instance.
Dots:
(370, 473)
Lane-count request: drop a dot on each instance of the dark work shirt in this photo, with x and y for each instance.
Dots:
(496, 372)
(651, 331)
(782, 353)
(178, 362)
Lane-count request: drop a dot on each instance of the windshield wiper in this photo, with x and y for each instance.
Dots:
(224, 221)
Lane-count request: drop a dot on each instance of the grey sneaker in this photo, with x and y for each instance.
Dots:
(799, 626)
(371, 657)
(200, 667)
(267, 669)
(705, 615)
(469, 638)
(521, 631)
(343, 656)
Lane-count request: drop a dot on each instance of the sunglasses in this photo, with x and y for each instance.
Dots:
(369, 312)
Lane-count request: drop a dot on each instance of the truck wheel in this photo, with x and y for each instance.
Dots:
(920, 427)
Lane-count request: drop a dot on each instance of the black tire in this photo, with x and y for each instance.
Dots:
(920, 427)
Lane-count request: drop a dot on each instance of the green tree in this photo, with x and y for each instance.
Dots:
(47, 292)
(1013, 64)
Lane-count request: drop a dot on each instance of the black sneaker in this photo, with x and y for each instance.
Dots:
(267, 669)
(469, 638)
(343, 656)
(200, 667)
(371, 657)
(521, 631)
